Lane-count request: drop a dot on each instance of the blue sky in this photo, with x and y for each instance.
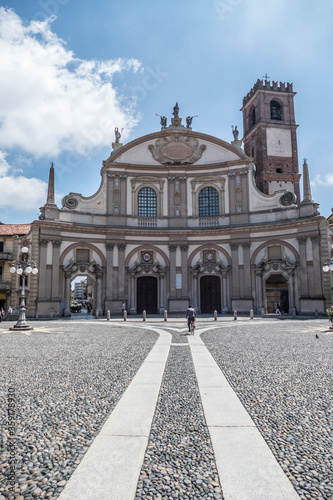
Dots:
(72, 70)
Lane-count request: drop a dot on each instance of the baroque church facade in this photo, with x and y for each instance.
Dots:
(183, 217)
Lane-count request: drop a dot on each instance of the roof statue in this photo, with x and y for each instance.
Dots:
(189, 120)
(117, 134)
(176, 111)
(235, 132)
(163, 120)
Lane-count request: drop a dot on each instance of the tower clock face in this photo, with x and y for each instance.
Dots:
(278, 142)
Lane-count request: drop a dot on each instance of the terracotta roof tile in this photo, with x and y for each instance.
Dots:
(11, 229)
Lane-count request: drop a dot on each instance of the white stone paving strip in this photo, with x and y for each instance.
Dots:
(247, 468)
(110, 469)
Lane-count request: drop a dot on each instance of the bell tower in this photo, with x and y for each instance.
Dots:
(270, 136)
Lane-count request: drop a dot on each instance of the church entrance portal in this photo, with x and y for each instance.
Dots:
(146, 294)
(277, 293)
(210, 294)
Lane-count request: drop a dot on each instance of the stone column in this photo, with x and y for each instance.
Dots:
(99, 292)
(183, 197)
(247, 270)
(184, 249)
(55, 269)
(171, 196)
(109, 271)
(123, 196)
(231, 182)
(121, 270)
(67, 311)
(303, 276)
(172, 250)
(162, 294)
(291, 290)
(235, 270)
(317, 270)
(42, 268)
(225, 308)
(245, 193)
(259, 290)
(195, 293)
(132, 294)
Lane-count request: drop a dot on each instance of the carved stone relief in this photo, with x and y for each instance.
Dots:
(177, 149)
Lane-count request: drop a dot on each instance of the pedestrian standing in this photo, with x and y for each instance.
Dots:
(123, 308)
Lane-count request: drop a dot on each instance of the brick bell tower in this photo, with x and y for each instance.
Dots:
(270, 136)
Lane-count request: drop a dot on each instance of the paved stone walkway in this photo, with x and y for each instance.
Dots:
(179, 430)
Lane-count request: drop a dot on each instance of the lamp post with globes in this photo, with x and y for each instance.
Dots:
(22, 268)
(328, 265)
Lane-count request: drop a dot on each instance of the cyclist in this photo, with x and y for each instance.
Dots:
(190, 316)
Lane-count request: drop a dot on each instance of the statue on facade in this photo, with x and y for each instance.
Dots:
(176, 111)
(117, 134)
(189, 120)
(163, 120)
(235, 132)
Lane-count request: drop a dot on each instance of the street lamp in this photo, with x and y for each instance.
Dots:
(328, 265)
(23, 267)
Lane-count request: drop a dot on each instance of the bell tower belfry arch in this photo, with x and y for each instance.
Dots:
(270, 136)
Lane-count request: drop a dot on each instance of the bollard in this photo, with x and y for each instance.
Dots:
(215, 315)
(251, 314)
(108, 315)
(294, 312)
(235, 314)
(125, 315)
(144, 314)
(316, 313)
(165, 315)
(96, 314)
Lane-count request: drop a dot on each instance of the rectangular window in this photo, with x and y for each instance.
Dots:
(1, 246)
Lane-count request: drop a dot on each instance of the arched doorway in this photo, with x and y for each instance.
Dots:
(277, 293)
(146, 295)
(210, 294)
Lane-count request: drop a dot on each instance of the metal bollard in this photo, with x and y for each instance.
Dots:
(96, 314)
(125, 315)
(108, 315)
(235, 314)
(165, 315)
(251, 314)
(215, 315)
(144, 314)
(316, 313)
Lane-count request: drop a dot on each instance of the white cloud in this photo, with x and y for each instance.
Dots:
(319, 181)
(51, 101)
(4, 166)
(19, 192)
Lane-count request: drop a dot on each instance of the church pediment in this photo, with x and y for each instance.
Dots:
(176, 147)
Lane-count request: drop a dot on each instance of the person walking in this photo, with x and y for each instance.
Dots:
(123, 308)
(190, 316)
(9, 313)
(278, 310)
(2, 314)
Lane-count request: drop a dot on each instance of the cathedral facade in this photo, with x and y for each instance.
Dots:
(182, 218)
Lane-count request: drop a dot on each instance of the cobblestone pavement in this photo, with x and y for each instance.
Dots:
(282, 373)
(68, 376)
